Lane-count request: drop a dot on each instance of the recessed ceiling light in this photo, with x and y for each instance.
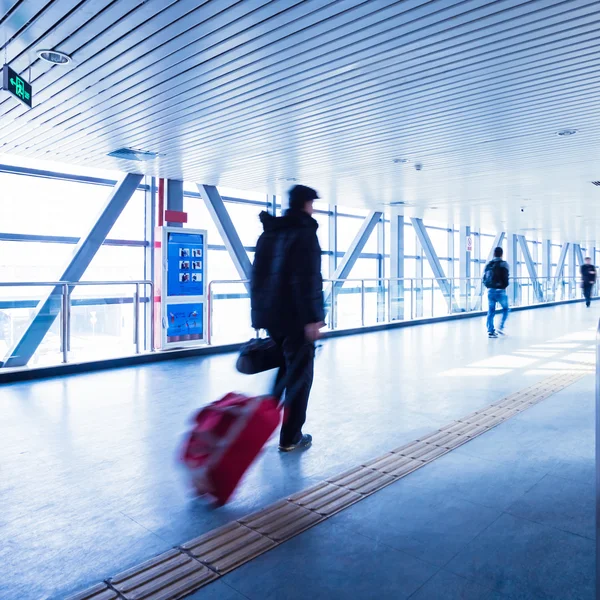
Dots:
(54, 57)
(566, 132)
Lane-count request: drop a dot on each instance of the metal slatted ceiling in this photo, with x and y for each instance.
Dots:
(249, 93)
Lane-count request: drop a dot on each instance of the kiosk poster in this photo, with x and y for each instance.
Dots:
(185, 322)
(185, 257)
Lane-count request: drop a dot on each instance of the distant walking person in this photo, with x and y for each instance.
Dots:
(287, 301)
(495, 278)
(588, 279)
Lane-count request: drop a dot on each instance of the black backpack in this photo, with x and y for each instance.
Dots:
(492, 277)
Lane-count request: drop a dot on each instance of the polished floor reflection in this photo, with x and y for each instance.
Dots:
(90, 483)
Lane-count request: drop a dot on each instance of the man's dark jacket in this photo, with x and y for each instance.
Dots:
(287, 287)
(588, 274)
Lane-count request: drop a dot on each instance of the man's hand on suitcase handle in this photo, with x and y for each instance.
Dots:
(312, 331)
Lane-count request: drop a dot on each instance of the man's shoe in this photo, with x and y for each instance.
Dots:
(304, 443)
(501, 332)
(493, 335)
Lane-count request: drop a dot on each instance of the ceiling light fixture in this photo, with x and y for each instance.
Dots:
(54, 57)
(566, 132)
(130, 154)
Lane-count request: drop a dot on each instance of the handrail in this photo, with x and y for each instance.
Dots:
(73, 283)
(65, 307)
(470, 290)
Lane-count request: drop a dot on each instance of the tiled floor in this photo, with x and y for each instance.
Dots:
(90, 485)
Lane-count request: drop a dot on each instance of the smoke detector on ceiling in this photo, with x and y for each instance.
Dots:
(566, 132)
(54, 57)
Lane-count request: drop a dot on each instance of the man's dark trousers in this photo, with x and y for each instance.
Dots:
(299, 359)
(587, 292)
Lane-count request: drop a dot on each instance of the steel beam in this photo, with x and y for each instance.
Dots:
(349, 259)
(560, 265)
(513, 262)
(218, 211)
(333, 246)
(464, 264)
(396, 266)
(530, 267)
(546, 259)
(150, 213)
(434, 262)
(381, 308)
(579, 256)
(49, 307)
(572, 260)
(174, 199)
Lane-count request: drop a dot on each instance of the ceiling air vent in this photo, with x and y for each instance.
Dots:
(398, 203)
(596, 183)
(129, 154)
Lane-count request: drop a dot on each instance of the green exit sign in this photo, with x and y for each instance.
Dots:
(17, 86)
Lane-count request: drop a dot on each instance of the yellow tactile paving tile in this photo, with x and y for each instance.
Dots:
(98, 592)
(282, 520)
(228, 547)
(169, 576)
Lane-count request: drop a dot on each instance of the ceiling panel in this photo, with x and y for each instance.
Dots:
(253, 94)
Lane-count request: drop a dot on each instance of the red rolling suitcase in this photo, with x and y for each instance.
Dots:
(226, 438)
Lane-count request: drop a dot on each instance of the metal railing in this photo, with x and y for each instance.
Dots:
(413, 298)
(381, 300)
(65, 289)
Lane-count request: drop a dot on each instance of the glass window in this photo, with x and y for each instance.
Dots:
(346, 232)
(199, 218)
(323, 231)
(32, 261)
(486, 244)
(410, 241)
(131, 222)
(439, 239)
(364, 268)
(33, 205)
(246, 221)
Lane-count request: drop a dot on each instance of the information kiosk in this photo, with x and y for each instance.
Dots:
(181, 287)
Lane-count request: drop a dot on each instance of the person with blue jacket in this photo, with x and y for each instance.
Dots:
(496, 279)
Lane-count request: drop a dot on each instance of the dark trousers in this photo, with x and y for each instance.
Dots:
(587, 292)
(299, 359)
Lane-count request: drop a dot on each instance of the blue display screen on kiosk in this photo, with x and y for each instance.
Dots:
(185, 264)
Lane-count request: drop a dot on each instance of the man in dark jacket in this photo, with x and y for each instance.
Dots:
(588, 279)
(495, 278)
(287, 301)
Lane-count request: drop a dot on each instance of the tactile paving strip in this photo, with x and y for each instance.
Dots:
(228, 547)
(175, 574)
(98, 592)
(169, 576)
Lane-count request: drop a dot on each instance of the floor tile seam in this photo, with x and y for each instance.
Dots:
(535, 522)
(361, 496)
(446, 565)
(231, 587)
